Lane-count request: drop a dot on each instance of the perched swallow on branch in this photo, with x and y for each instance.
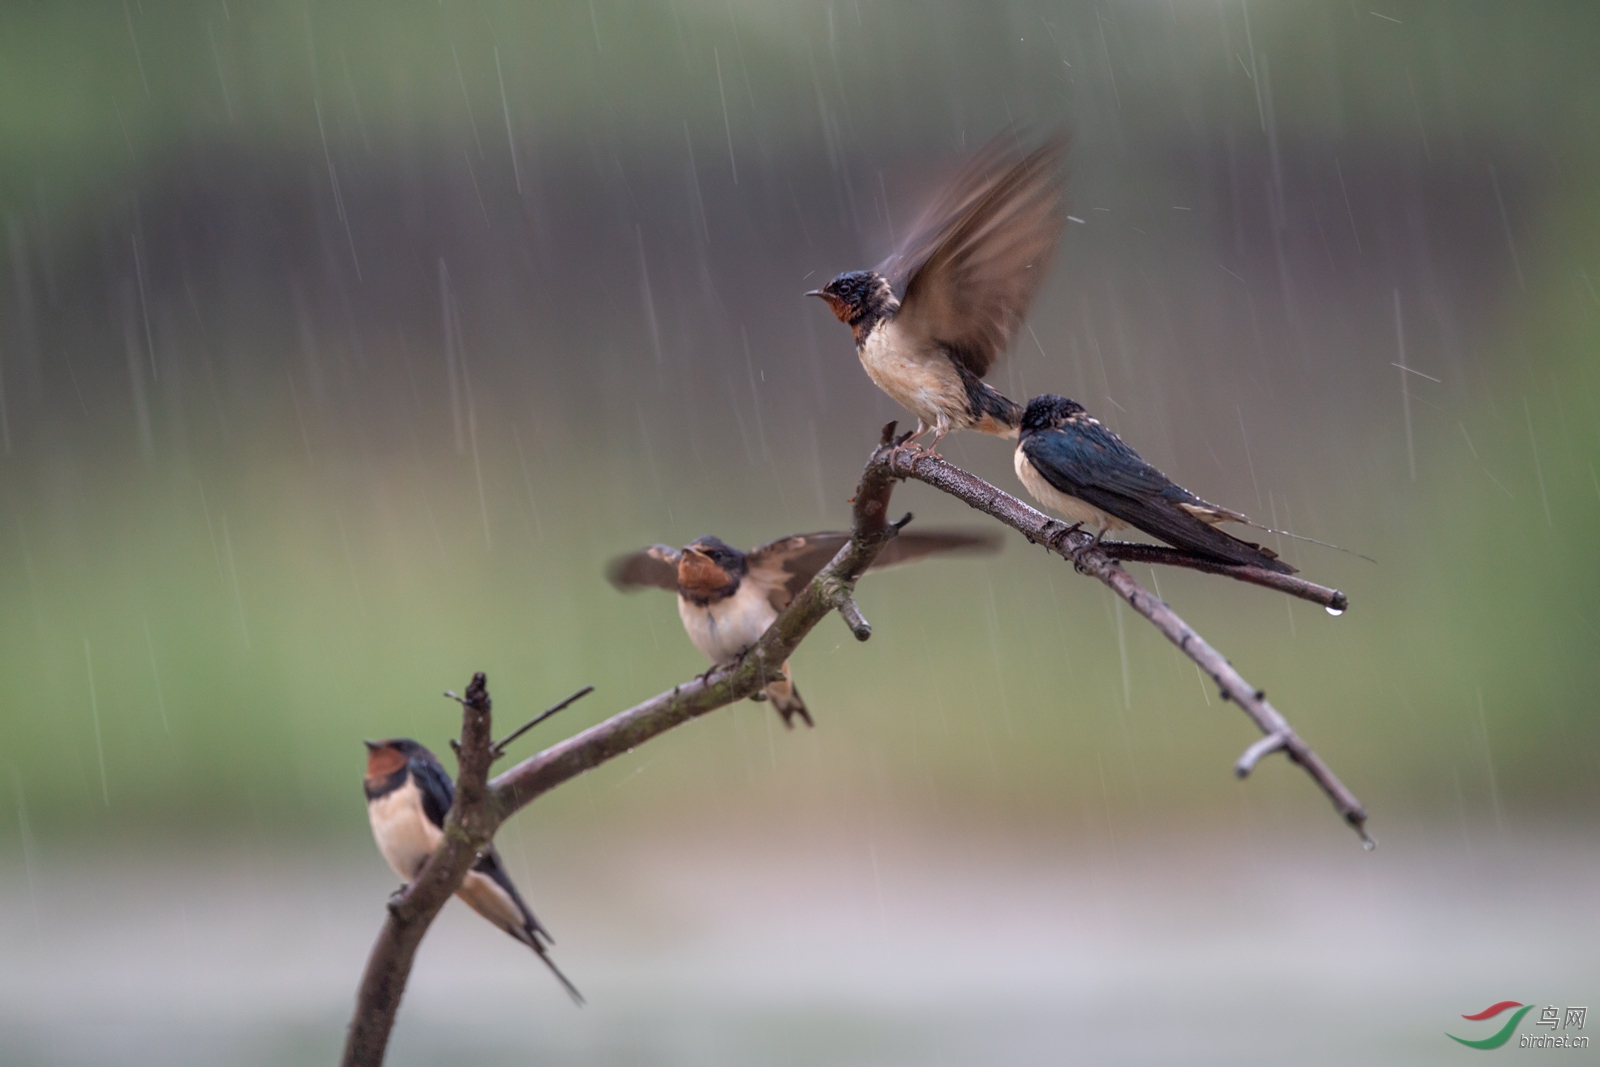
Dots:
(1072, 464)
(933, 318)
(728, 598)
(408, 794)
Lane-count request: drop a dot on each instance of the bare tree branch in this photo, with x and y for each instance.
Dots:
(481, 805)
(1078, 546)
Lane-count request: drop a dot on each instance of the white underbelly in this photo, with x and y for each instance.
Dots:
(1071, 507)
(927, 387)
(404, 835)
(726, 628)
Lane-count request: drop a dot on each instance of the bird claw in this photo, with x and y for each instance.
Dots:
(1083, 550)
(1058, 540)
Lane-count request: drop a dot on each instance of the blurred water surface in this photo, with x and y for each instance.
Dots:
(801, 943)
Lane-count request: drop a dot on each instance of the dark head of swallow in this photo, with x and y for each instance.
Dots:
(709, 570)
(857, 297)
(386, 763)
(1049, 412)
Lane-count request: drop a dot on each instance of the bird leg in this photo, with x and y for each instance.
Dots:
(940, 427)
(910, 441)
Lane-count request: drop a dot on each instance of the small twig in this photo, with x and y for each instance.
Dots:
(851, 614)
(499, 748)
(1253, 755)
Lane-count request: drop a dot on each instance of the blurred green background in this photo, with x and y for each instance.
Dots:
(342, 343)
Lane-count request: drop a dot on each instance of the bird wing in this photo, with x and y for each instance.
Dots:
(909, 547)
(490, 866)
(973, 262)
(656, 566)
(1088, 461)
(784, 566)
(434, 783)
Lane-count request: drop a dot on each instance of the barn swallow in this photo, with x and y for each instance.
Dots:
(932, 319)
(728, 598)
(1071, 463)
(408, 794)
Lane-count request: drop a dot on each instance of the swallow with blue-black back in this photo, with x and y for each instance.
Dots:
(727, 598)
(1073, 464)
(408, 794)
(932, 319)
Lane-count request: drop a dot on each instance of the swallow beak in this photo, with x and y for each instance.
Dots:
(372, 746)
(836, 304)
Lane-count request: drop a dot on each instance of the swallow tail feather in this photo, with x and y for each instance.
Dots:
(787, 702)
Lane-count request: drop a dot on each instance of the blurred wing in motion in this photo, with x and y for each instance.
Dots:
(653, 567)
(783, 567)
(786, 565)
(908, 547)
(973, 262)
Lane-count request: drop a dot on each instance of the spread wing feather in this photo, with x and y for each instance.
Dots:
(784, 566)
(974, 260)
(1088, 461)
(654, 567)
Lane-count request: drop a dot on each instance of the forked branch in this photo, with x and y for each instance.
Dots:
(482, 805)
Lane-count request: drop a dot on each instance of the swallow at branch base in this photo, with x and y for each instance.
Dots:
(933, 318)
(1072, 464)
(408, 794)
(727, 599)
